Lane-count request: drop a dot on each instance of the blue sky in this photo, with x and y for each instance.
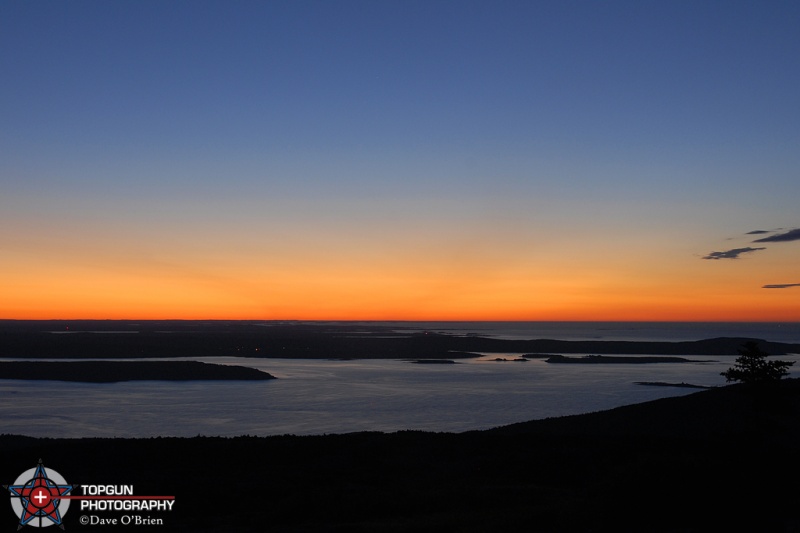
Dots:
(432, 140)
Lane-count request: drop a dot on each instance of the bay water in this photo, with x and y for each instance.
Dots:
(335, 396)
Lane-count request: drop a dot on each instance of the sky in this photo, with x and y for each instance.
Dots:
(400, 160)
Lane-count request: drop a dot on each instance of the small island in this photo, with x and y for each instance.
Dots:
(667, 384)
(606, 359)
(114, 371)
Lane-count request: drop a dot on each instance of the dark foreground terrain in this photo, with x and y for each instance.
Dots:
(724, 459)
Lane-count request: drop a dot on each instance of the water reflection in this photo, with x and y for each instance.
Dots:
(316, 397)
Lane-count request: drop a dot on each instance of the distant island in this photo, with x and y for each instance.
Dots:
(610, 359)
(102, 339)
(114, 371)
(666, 384)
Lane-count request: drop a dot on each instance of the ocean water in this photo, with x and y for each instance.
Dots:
(326, 396)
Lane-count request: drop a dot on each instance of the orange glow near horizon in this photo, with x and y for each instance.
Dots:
(402, 280)
(363, 297)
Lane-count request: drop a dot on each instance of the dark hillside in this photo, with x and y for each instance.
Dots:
(717, 460)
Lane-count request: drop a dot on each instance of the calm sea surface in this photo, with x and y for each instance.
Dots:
(322, 396)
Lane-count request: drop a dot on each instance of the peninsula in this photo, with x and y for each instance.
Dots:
(113, 371)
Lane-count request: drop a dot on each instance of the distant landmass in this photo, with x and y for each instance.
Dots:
(667, 384)
(129, 339)
(628, 360)
(113, 371)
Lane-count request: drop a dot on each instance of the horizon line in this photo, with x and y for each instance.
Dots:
(520, 321)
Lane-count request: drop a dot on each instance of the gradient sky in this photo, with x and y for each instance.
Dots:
(439, 160)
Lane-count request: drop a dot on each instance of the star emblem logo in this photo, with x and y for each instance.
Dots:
(36, 497)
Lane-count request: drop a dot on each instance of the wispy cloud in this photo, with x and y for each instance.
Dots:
(791, 235)
(781, 286)
(732, 254)
(758, 232)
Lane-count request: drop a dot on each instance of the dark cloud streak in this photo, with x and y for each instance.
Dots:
(732, 254)
(791, 235)
(781, 286)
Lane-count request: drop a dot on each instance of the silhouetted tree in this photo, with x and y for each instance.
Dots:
(752, 367)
